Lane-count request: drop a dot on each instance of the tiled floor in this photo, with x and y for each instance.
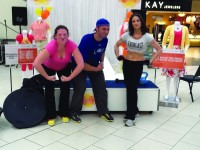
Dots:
(167, 129)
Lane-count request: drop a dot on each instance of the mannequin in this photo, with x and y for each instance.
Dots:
(41, 32)
(178, 39)
(25, 38)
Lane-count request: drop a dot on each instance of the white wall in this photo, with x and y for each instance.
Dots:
(6, 14)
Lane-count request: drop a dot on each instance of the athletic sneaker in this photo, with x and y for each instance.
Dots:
(136, 116)
(65, 119)
(129, 123)
(51, 122)
(107, 117)
(76, 118)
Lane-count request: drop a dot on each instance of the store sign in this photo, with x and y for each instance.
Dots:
(167, 5)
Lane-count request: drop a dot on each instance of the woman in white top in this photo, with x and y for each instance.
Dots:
(137, 39)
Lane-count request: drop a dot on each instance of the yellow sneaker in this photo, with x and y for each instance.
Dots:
(65, 119)
(51, 122)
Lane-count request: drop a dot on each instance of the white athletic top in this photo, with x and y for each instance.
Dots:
(137, 45)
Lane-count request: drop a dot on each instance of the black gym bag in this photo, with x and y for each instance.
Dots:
(25, 107)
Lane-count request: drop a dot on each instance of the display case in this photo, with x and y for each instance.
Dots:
(194, 39)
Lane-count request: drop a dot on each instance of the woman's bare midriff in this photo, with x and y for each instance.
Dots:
(134, 56)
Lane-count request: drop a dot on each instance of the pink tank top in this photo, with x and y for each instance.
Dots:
(177, 37)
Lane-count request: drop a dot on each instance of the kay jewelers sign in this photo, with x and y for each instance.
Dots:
(20, 53)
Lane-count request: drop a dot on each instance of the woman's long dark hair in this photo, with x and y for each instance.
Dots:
(143, 25)
(60, 27)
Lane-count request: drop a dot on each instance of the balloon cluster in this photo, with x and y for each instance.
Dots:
(43, 13)
(41, 2)
(129, 3)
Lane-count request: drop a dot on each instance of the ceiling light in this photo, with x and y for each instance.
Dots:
(181, 14)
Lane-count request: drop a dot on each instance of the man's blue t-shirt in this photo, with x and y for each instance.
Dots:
(91, 49)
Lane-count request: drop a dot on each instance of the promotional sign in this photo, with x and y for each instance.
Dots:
(26, 55)
(20, 53)
(170, 58)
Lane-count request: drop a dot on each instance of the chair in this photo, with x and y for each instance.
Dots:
(192, 79)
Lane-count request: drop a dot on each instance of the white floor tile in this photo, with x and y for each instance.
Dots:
(131, 133)
(185, 146)
(196, 128)
(98, 130)
(13, 134)
(157, 117)
(46, 137)
(21, 145)
(79, 140)
(68, 128)
(183, 119)
(89, 119)
(39, 127)
(2, 143)
(146, 124)
(165, 137)
(114, 142)
(192, 138)
(174, 127)
(147, 144)
(93, 148)
(57, 146)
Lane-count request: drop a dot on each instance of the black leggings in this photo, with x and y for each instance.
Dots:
(64, 93)
(132, 71)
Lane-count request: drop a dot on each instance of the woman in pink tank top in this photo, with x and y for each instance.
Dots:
(55, 58)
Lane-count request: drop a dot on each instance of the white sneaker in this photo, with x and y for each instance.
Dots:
(130, 123)
(177, 99)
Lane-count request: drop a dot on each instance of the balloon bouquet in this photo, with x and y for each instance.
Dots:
(43, 13)
(129, 3)
(40, 11)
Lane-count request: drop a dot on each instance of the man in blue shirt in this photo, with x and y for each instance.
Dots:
(92, 48)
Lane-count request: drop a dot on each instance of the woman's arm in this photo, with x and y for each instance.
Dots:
(158, 48)
(42, 56)
(116, 47)
(79, 67)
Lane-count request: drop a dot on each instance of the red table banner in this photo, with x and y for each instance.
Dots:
(27, 55)
(170, 58)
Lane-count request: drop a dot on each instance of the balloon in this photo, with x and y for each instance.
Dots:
(129, 14)
(49, 8)
(30, 37)
(38, 11)
(45, 14)
(19, 38)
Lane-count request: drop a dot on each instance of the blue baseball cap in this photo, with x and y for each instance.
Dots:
(102, 22)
